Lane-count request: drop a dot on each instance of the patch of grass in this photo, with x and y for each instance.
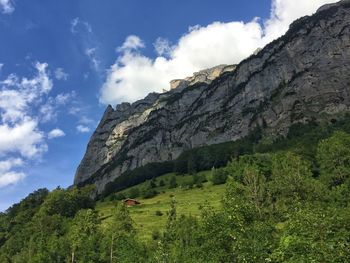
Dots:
(188, 203)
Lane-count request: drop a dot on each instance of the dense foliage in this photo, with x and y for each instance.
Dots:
(286, 201)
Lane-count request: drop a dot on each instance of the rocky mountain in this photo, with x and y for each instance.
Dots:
(302, 76)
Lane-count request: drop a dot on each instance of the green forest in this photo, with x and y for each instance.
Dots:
(285, 200)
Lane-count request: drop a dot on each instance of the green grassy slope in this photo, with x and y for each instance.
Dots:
(302, 139)
(188, 203)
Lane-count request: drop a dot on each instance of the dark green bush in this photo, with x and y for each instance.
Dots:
(134, 192)
(158, 213)
(161, 183)
(172, 182)
(219, 176)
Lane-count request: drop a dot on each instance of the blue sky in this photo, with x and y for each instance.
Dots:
(62, 62)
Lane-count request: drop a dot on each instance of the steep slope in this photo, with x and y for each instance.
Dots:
(299, 77)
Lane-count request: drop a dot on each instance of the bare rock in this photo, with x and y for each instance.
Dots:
(299, 77)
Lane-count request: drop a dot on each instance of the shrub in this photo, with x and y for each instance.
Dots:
(172, 183)
(158, 213)
(161, 183)
(149, 193)
(153, 183)
(219, 176)
(333, 156)
(156, 234)
(134, 192)
(199, 185)
(197, 180)
(118, 196)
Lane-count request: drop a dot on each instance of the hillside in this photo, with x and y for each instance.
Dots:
(301, 139)
(298, 78)
(286, 201)
(146, 217)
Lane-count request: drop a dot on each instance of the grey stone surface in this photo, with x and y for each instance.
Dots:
(301, 76)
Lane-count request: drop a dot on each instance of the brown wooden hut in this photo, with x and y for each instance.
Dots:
(131, 202)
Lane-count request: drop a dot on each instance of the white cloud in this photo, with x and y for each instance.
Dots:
(83, 30)
(55, 133)
(78, 24)
(81, 112)
(6, 6)
(83, 129)
(24, 103)
(134, 75)
(162, 46)
(284, 12)
(7, 176)
(74, 110)
(17, 95)
(73, 25)
(64, 98)
(131, 42)
(47, 111)
(60, 74)
(42, 82)
(1, 66)
(91, 53)
(24, 138)
(12, 105)
(8, 164)
(86, 120)
(11, 178)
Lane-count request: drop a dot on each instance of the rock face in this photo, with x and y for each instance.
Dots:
(301, 76)
(204, 76)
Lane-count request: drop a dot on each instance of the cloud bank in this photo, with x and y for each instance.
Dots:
(134, 75)
(25, 103)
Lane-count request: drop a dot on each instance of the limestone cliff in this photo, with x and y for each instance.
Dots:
(301, 76)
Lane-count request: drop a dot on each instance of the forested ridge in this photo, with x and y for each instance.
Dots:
(286, 200)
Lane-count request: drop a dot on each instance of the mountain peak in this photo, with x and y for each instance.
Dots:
(300, 77)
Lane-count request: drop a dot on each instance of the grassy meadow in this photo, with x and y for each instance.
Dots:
(151, 214)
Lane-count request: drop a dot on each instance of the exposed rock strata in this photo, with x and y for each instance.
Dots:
(300, 76)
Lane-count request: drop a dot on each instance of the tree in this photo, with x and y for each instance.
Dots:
(255, 183)
(171, 221)
(161, 183)
(153, 183)
(83, 236)
(46, 233)
(250, 233)
(218, 176)
(68, 202)
(149, 191)
(120, 237)
(235, 168)
(134, 192)
(333, 156)
(163, 249)
(291, 176)
(315, 233)
(172, 182)
(197, 180)
(118, 196)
